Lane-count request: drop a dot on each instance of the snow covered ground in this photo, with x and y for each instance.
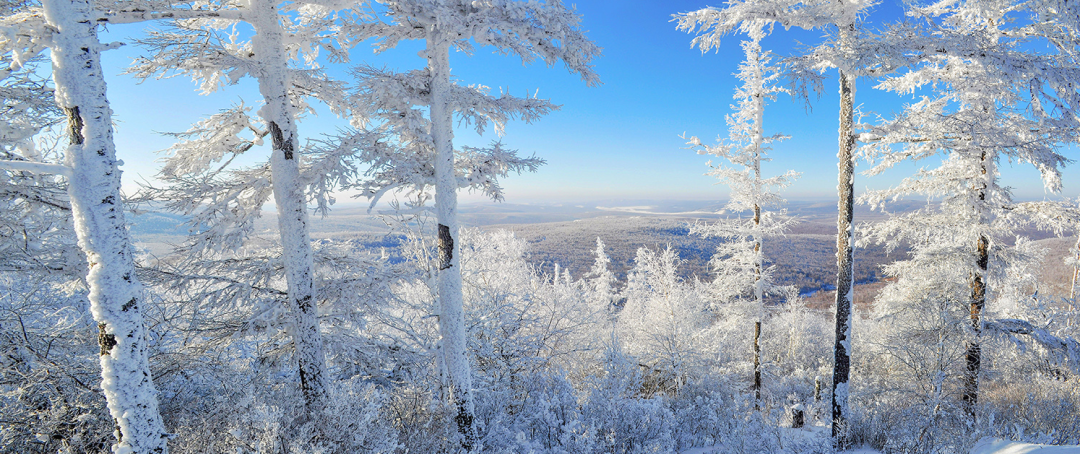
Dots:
(985, 446)
(999, 446)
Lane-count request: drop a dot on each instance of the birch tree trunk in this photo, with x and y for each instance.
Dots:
(451, 305)
(844, 255)
(973, 356)
(291, 205)
(94, 189)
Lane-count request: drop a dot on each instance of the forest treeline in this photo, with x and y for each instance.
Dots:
(248, 340)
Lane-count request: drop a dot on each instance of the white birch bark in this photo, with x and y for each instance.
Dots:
(451, 301)
(94, 188)
(291, 204)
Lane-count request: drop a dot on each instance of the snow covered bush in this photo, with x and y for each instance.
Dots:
(539, 415)
(49, 375)
(663, 322)
(793, 354)
(1044, 410)
(625, 422)
(228, 409)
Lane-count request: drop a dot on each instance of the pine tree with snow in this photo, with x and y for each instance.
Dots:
(991, 100)
(841, 18)
(739, 264)
(530, 30)
(601, 281)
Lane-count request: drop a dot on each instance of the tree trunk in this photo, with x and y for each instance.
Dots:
(973, 356)
(844, 256)
(97, 208)
(759, 300)
(1076, 268)
(452, 312)
(753, 56)
(757, 365)
(291, 205)
(974, 350)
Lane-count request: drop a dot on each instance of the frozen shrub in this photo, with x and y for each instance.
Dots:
(1044, 410)
(542, 416)
(420, 420)
(702, 414)
(625, 423)
(50, 395)
(269, 418)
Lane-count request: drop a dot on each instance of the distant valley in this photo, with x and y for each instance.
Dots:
(565, 234)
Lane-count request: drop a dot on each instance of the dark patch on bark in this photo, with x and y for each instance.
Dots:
(464, 420)
(280, 143)
(105, 340)
(446, 247)
(757, 364)
(304, 303)
(129, 305)
(75, 125)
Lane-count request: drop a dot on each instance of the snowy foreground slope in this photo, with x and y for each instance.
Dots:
(999, 446)
(989, 445)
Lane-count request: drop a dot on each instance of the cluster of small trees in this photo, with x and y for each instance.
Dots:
(286, 344)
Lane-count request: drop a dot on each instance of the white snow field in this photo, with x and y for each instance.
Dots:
(988, 445)
(999, 446)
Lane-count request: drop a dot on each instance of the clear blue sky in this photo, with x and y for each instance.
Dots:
(616, 141)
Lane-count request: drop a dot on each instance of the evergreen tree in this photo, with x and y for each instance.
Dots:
(739, 263)
(991, 99)
(711, 24)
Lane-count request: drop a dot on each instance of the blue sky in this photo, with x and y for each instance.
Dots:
(616, 141)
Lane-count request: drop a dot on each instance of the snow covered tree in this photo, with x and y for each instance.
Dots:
(711, 24)
(68, 28)
(739, 264)
(530, 30)
(991, 100)
(662, 321)
(601, 281)
(204, 46)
